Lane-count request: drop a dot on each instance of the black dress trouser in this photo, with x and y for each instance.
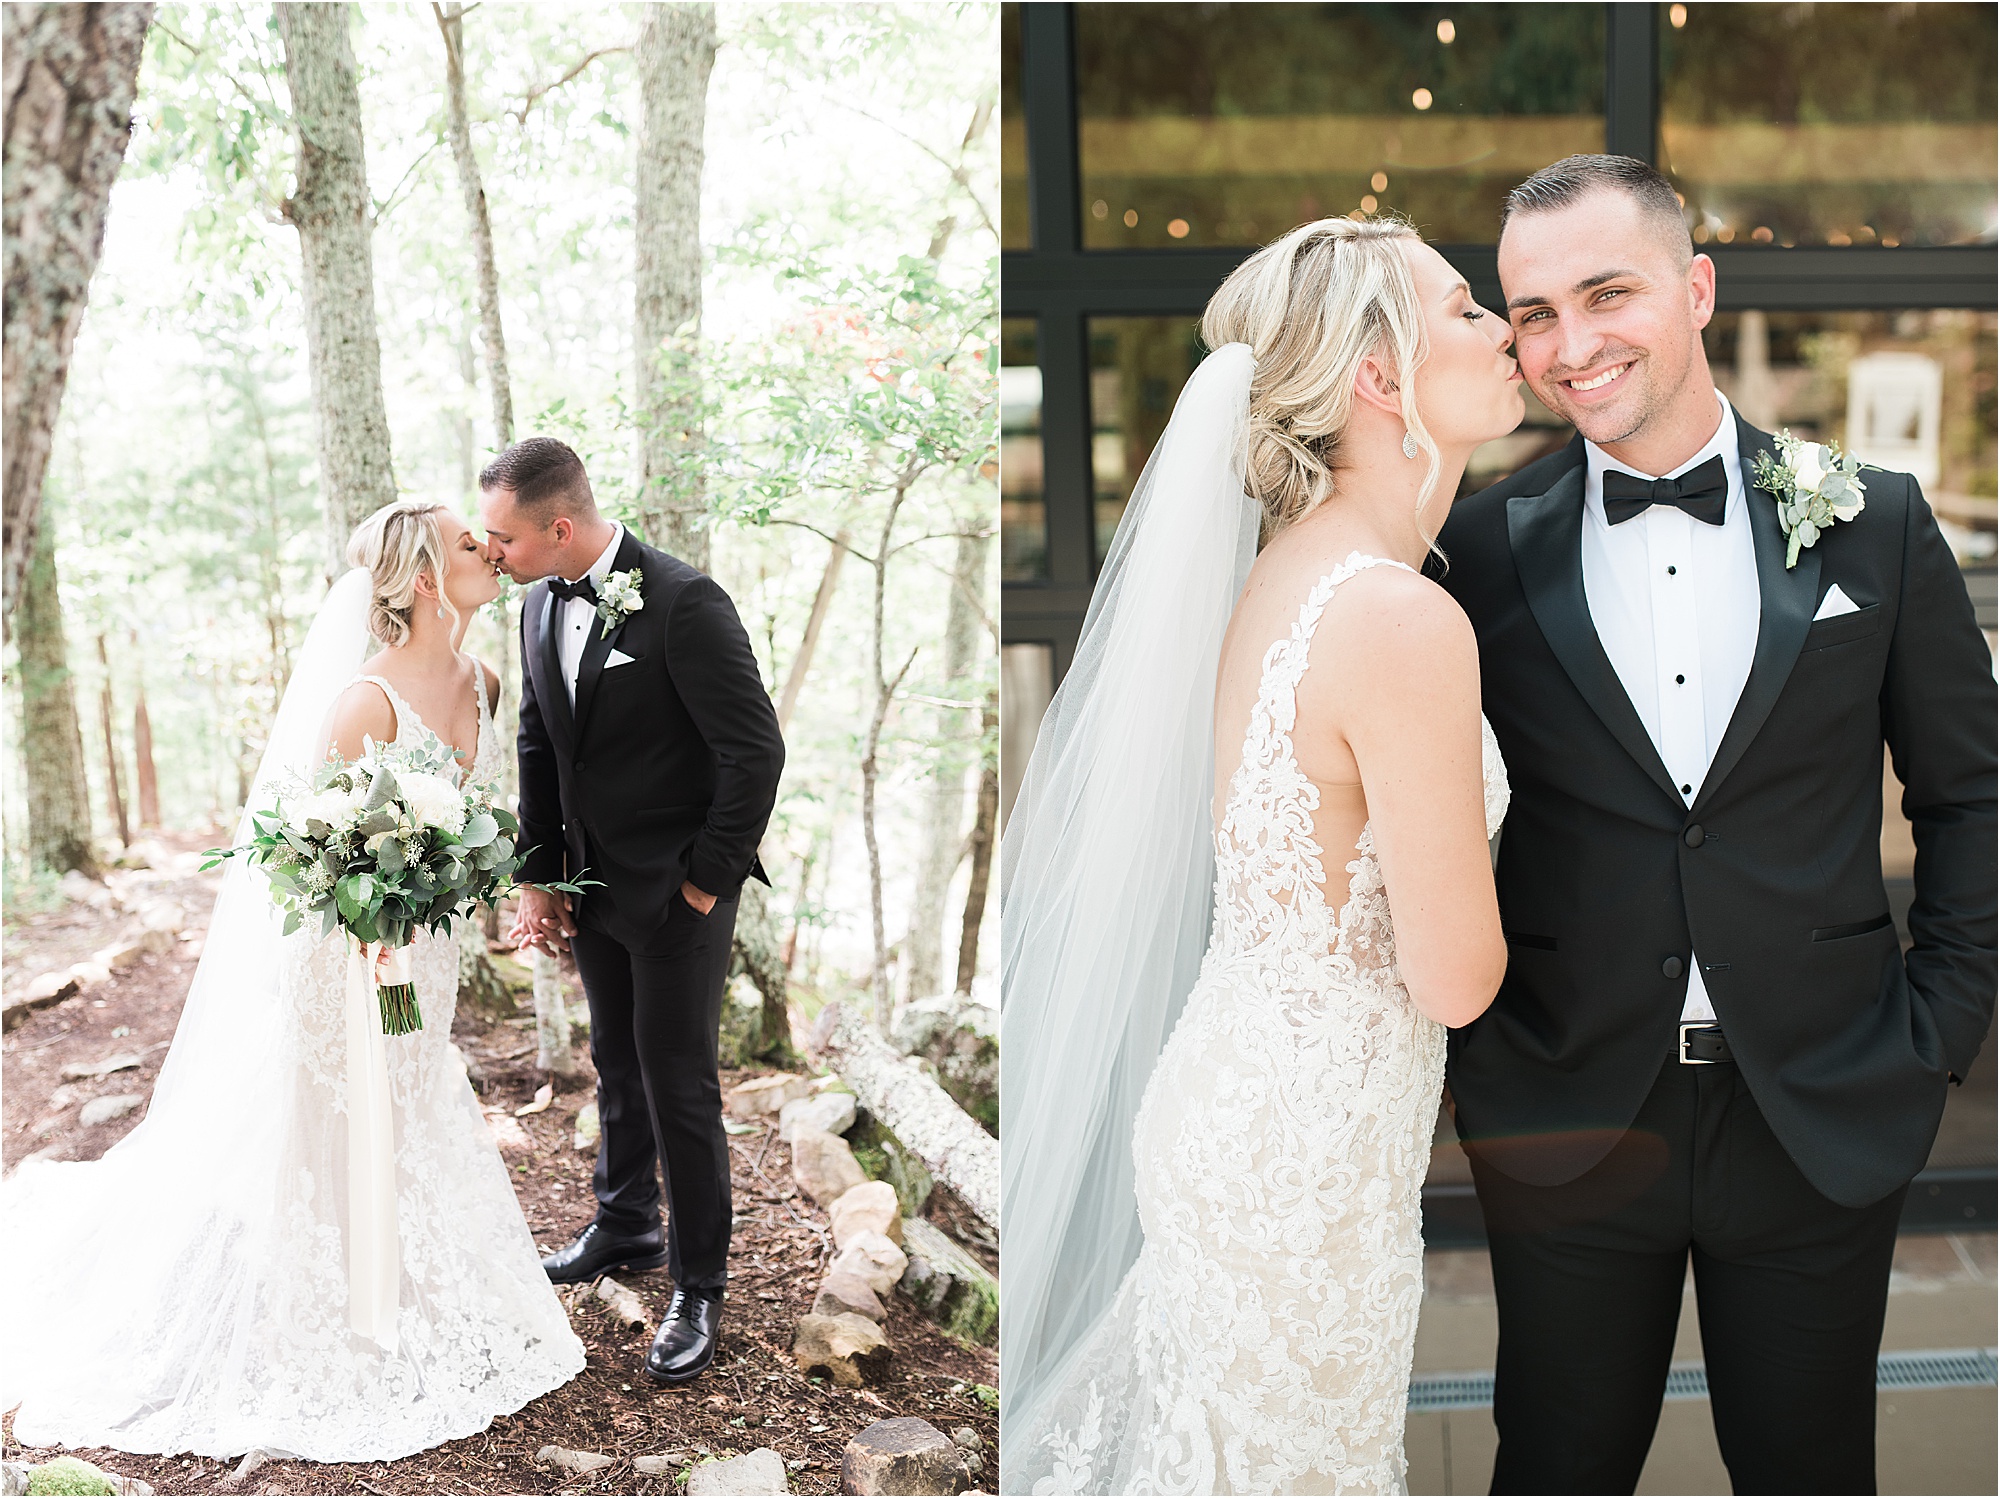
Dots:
(653, 1021)
(1791, 1290)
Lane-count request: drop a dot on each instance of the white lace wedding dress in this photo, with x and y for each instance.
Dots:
(1262, 1342)
(160, 1303)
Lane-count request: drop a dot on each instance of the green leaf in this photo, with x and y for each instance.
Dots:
(479, 831)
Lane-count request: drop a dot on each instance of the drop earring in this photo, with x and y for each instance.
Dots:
(440, 611)
(1409, 444)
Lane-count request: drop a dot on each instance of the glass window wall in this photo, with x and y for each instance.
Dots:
(1014, 228)
(1205, 124)
(1024, 530)
(1831, 124)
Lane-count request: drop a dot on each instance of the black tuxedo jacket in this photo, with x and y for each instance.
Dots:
(668, 767)
(1609, 884)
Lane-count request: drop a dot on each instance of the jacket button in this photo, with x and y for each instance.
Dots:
(578, 767)
(1693, 837)
(1671, 968)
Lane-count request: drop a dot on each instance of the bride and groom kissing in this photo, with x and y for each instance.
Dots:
(256, 1306)
(1632, 912)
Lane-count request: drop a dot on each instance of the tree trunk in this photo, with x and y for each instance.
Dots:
(795, 679)
(981, 843)
(51, 737)
(944, 841)
(142, 757)
(70, 73)
(450, 19)
(758, 956)
(676, 52)
(552, 1044)
(111, 776)
(330, 209)
(885, 695)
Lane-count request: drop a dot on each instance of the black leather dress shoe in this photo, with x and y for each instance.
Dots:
(686, 1342)
(598, 1250)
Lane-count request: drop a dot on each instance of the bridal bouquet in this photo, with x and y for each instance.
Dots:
(381, 847)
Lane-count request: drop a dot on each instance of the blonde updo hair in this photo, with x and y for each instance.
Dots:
(397, 544)
(1312, 306)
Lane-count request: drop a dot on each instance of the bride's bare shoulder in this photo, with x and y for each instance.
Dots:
(361, 712)
(1401, 637)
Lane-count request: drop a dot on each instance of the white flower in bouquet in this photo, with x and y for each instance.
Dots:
(432, 800)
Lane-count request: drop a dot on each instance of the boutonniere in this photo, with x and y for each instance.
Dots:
(1814, 483)
(618, 598)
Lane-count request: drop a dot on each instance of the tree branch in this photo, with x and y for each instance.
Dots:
(535, 93)
(382, 209)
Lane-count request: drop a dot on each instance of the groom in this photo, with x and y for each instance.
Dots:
(649, 756)
(1709, 1045)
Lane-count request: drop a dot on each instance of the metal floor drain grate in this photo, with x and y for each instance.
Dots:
(1934, 1368)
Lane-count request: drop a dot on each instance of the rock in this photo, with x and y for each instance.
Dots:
(830, 1112)
(948, 1284)
(587, 1128)
(103, 1109)
(845, 1293)
(824, 1166)
(966, 1438)
(758, 1472)
(740, 1036)
(121, 955)
(50, 988)
(625, 1306)
(160, 914)
(254, 1458)
(78, 1071)
(131, 1487)
(878, 1262)
(13, 1479)
(583, 1463)
(763, 1097)
(89, 974)
(69, 1475)
(904, 1455)
(660, 1466)
(847, 1347)
(870, 1207)
(507, 1132)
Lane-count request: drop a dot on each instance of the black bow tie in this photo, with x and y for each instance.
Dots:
(1701, 491)
(582, 588)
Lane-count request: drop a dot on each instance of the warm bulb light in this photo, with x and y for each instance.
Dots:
(1368, 204)
(1380, 182)
(1131, 218)
(1421, 98)
(1178, 228)
(1677, 16)
(1100, 209)
(1447, 33)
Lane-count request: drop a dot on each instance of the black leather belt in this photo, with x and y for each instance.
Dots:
(1702, 1044)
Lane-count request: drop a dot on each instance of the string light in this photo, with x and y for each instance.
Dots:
(1131, 218)
(1368, 204)
(1447, 33)
(1677, 15)
(1421, 98)
(1380, 182)
(1178, 228)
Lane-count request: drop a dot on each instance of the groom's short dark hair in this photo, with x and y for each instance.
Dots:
(1562, 183)
(545, 475)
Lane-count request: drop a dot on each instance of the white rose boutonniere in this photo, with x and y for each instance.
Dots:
(1815, 485)
(618, 599)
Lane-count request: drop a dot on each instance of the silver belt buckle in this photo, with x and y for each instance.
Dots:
(1694, 1024)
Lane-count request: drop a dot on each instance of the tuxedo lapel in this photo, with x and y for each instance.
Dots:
(1545, 532)
(1787, 599)
(597, 649)
(557, 712)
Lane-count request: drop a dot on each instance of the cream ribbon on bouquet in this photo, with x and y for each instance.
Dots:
(374, 1254)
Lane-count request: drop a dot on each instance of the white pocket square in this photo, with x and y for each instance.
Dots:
(1835, 604)
(620, 658)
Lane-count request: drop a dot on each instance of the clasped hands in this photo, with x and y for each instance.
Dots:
(543, 919)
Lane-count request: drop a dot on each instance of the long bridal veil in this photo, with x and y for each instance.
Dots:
(1107, 866)
(82, 1244)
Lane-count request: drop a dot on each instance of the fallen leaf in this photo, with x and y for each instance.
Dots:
(544, 1095)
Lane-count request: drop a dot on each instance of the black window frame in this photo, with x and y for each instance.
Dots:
(1062, 285)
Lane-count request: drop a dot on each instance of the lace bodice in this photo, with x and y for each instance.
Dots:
(1262, 1343)
(1270, 874)
(411, 730)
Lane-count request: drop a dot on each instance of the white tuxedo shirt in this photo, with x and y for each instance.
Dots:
(579, 615)
(1676, 604)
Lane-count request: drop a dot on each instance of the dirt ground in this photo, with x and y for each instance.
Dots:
(753, 1396)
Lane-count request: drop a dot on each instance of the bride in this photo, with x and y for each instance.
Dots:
(1305, 754)
(276, 1256)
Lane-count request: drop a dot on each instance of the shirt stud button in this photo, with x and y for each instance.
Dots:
(1680, 681)
(1687, 790)
(1671, 571)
